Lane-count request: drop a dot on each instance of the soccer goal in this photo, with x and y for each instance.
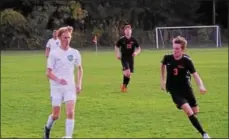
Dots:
(197, 36)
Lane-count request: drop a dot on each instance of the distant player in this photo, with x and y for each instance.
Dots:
(52, 43)
(129, 48)
(179, 68)
(63, 84)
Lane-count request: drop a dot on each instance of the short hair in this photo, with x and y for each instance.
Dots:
(61, 30)
(180, 40)
(127, 26)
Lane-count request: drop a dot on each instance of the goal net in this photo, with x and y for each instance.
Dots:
(197, 36)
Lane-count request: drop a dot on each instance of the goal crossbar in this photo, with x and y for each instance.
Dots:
(182, 27)
(190, 27)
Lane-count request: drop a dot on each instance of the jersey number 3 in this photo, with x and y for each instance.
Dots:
(175, 71)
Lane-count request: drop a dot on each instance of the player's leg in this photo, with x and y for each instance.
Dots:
(192, 101)
(193, 119)
(195, 109)
(191, 109)
(183, 104)
(128, 70)
(56, 99)
(126, 75)
(70, 99)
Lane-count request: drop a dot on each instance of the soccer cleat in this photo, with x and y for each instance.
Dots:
(46, 133)
(206, 136)
(123, 88)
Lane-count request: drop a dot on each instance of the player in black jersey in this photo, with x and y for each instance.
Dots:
(179, 68)
(126, 49)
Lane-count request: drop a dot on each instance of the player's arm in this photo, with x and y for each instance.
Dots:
(79, 73)
(49, 73)
(196, 76)
(117, 49)
(137, 50)
(79, 78)
(51, 76)
(47, 50)
(162, 73)
(199, 82)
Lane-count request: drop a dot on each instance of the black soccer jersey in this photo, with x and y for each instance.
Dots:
(178, 71)
(127, 46)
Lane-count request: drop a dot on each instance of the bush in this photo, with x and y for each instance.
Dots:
(15, 31)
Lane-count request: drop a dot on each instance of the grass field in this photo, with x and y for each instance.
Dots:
(102, 111)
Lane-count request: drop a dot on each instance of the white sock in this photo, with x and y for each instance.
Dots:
(50, 122)
(69, 127)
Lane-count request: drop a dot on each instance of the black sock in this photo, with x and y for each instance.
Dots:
(196, 123)
(126, 80)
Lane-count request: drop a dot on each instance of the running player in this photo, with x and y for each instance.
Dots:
(179, 68)
(129, 48)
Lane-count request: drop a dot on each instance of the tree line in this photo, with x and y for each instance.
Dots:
(27, 24)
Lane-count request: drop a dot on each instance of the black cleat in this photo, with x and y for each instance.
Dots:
(46, 133)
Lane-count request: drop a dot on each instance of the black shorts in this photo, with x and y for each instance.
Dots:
(128, 64)
(183, 96)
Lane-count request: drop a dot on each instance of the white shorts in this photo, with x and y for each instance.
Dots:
(61, 94)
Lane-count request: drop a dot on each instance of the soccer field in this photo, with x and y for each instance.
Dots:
(102, 111)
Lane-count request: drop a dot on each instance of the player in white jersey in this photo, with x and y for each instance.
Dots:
(60, 70)
(52, 43)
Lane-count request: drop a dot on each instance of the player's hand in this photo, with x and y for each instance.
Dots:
(78, 89)
(134, 54)
(203, 90)
(162, 85)
(118, 57)
(62, 81)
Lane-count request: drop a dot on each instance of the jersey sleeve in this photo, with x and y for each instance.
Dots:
(118, 43)
(164, 59)
(190, 66)
(78, 59)
(51, 61)
(48, 45)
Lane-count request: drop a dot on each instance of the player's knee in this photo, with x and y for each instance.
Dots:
(187, 109)
(56, 112)
(195, 110)
(190, 113)
(55, 116)
(70, 114)
(127, 74)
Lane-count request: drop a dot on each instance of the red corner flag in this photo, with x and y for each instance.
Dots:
(95, 39)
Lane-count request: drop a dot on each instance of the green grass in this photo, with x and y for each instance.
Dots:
(102, 111)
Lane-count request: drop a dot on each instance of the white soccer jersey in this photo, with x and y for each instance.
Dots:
(53, 44)
(63, 63)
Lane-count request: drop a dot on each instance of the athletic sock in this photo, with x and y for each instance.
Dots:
(69, 127)
(50, 122)
(196, 123)
(126, 80)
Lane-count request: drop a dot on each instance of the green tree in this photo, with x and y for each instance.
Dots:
(78, 13)
(16, 31)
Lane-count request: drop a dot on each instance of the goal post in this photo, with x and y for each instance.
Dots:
(197, 36)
